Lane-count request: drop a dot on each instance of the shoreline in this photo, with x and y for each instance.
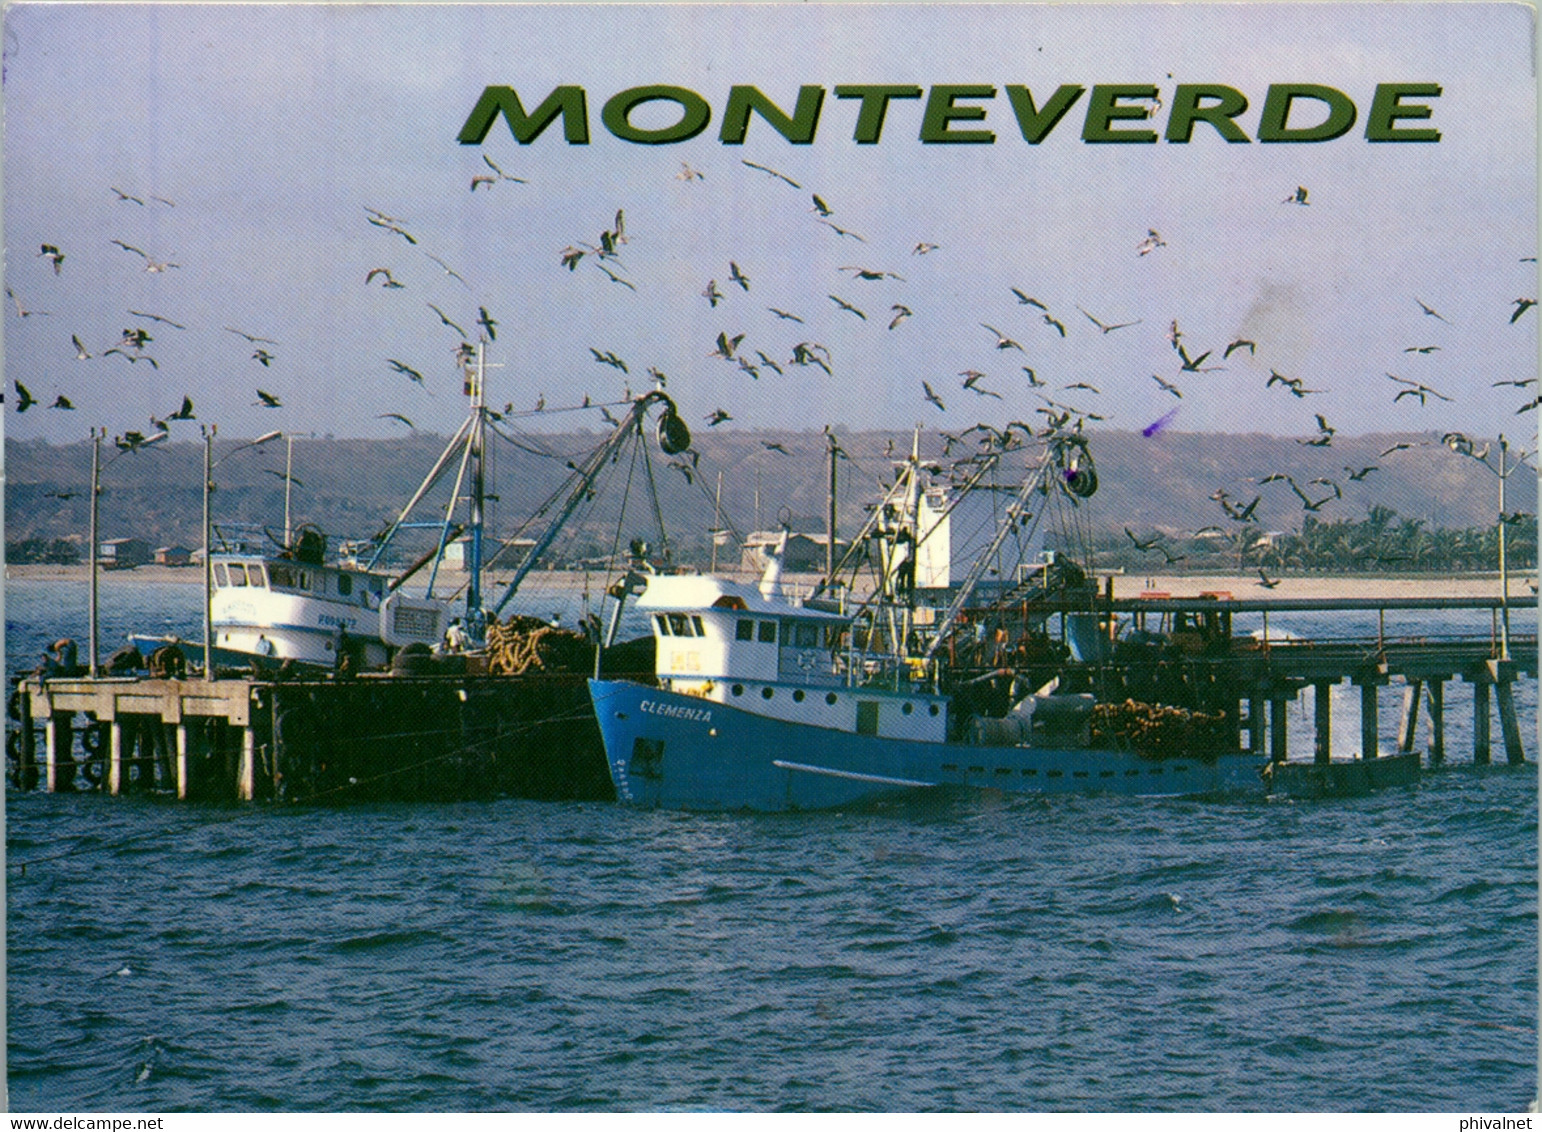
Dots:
(1238, 586)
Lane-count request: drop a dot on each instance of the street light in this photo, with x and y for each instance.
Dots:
(1463, 445)
(209, 464)
(128, 442)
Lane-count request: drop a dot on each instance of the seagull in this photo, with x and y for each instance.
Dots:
(901, 313)
(839, 231)
(24, 398)
(923, 248)
(1362, 473)
(571, 256)
(932, 397)
(767, 362)
(248, 337)
(407, 370)
(1238, 344)
(717, 417)
(1002, 341)
(267, 400)
(55, 257)
(808, 353)
(1051, 320)
(1432, 312)
(1028, 300)
(262, 356)
(152, 264)
(444, 318)
(1167, 386)
(1297, 197)
(1142, 545)
(971, 378)
(1294, 384)
(1106, 327)
(845, 306)
(712, 294)
(784, 314)
(869, 273)
(688, 174)
(1264, 580)
(498, 175)
(132, 357)
(726, 346)
(448, 270)
(1083, 385)
(390, 281)
(1382, 455)
(123, 196)
(487, 323)
(1521, 306)
(1420, 349)
(158, 318)
(609, 358)
(1151, 243)
(773, 172)
(185, 413)
(821, 207)
(1174, 335)
(284, 476)
(737, 276)
(80, 350)
(389, 226)
(772, 445)
(752, 370)
(614, 278)
(1192, 365)
(1415, 389)
(22, 311)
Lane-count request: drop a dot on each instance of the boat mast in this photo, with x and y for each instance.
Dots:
(475, 385)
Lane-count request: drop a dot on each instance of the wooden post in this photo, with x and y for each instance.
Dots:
(115, 756)
(246, 783)
(1408, 722)
(1255, 723)
(182, 760)
(1322, 712)
(1278, 746)
(28, 746)
(1369, 742)
(1509, 726)
(1480, 723)
(51, 754)
(1437, 694)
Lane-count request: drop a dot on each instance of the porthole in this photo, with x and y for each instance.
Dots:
(908, 708)
(932, 709)
(797, 696)
(830, 698)
(737, 689)
(767, 693)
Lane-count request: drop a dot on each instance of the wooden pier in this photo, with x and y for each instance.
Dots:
(381, 736)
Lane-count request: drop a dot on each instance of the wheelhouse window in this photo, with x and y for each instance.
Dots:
(344, 584)
(663, 624)
(701, 630)
(744, 630)
(768, 632)
(806, 634)
(254, 573)
(680, 625)
(221, 579)
(282, 576)
(237, 574)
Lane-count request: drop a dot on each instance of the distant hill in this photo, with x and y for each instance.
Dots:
(350, 488)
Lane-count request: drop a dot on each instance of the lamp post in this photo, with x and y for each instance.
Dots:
(1463, 445)
(209, 464)
(96, 479)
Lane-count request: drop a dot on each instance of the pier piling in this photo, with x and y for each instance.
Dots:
(1408, 724)
(1322, 717)
(1369, 684)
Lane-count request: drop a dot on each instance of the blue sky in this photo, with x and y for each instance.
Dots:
(272, 130)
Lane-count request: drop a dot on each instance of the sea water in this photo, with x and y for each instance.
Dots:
(953, 951)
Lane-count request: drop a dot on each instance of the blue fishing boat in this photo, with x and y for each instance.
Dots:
(764, 701)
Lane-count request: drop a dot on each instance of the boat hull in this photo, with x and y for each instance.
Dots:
(682, 752)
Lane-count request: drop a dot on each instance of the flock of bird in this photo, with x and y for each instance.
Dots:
(731, 293)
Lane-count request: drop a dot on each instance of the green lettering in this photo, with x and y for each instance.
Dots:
(940, 110)
(875, 103)
(1272, 121)
(694, 116)
(1186, 111)
(1103, 108)
(1036, 124)
(567, 101)
(1387, 107)
(798, 129)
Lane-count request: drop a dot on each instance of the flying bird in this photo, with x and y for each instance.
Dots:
(21, 311)
(262, 356)
(487, 323)
(124, 197)
(726, 346)
(1028, 300)
(1296, 385)
(774, 446)
(1521, 307)
(248, 337)
(267, 400)
(391, 226)
(444, 318)
(158, 318)
(390, 280)
(1420, 349)
(1415, 389)
(497, 175)
(80, 350)
(55, 257)
(923, 248)
(717, 417)
(737, 276)
(845, 306)
(1167, 386)
(1382, 455)
(931, 396)
(901, 313)
(1051, 320)
(1297, 197)
(614, 278)
(1151, 243)
(1432, 312)
(767, 362)
(1142, 545)
(1104, 326)
(406, 370)
(1238, 344)
(1002, 341)
(185, 413)
(839, 231)
(774, 173)
(821, 207)
(688, 174)
(869, 274)
(24, 398)
(1192, 365)
(784, 314)
(712, 294)
(1355, 476)
(448, 270)
(1264, 580)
